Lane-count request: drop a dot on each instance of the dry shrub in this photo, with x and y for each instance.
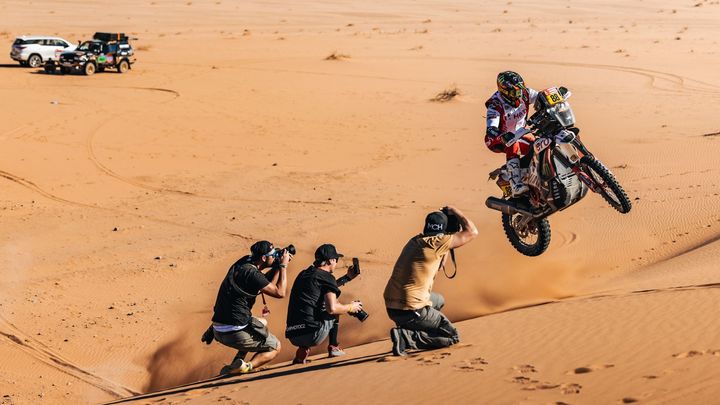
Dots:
(446, 95)
(337, 56)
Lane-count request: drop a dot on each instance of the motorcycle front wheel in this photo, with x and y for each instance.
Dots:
(610, 190)
(532, 239)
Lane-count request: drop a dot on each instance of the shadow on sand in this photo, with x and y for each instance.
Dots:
(281, 371)
(13, 65)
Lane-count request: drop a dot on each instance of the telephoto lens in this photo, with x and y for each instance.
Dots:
(289, 248)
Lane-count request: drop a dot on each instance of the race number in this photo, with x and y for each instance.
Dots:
(553, 96)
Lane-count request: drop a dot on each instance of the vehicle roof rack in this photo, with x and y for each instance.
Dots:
(110, 36)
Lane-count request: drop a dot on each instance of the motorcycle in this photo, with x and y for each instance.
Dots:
(559, 170)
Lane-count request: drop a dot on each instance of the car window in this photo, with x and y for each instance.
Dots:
(19, 41)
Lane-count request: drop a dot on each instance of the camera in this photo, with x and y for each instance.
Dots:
(361, 315)
(453, 221)
(279, 252)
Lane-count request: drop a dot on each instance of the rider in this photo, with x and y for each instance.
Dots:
(507, 111)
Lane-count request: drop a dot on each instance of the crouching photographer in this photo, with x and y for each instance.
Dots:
(264, 271)
(409, 299)
(314, 309)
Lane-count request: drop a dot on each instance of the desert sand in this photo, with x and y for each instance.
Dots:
(125, 198)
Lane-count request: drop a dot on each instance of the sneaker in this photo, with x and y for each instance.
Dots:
(246, 367)
(398, 343)
(301, 355)
(237, 367)
(335, 351)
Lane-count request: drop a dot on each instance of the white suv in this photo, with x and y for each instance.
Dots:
(33, 51)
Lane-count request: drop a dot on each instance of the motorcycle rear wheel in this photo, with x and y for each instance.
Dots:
(532, 241)
(611, 191)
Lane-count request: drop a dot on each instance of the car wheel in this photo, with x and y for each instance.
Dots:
(89, 69)
(123, 67)
(34, 60)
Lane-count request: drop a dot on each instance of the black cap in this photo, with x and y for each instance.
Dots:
(259, 249)
(435, 223)
(326, 252)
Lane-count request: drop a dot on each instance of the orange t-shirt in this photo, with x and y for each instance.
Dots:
(414, 272)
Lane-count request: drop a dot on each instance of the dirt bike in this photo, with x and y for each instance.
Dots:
(560, 171)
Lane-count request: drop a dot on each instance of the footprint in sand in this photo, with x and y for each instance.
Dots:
(691, 353)
(541, 386)
(571, 388)
(524, 380)
(434, 359)
(471, 365)
(590, 369)
(525, 368)
(227, 398)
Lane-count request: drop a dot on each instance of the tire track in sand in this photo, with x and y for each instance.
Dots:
(35, 188)
(47, 356)
(658, 79)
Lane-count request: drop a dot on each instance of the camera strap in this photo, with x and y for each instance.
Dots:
(442, 264)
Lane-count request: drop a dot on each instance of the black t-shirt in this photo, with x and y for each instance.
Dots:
(306, 309)
(238, 292)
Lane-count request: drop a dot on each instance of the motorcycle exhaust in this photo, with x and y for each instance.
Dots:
(506, 206)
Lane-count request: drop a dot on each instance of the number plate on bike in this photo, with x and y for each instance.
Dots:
(505, 187)
(553, 96)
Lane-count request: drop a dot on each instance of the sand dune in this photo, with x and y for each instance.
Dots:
(126, 197)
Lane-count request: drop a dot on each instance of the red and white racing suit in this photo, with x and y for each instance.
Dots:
(504, 117)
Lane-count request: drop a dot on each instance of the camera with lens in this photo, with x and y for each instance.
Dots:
(453, 224)
(361, 315)
(277, 254)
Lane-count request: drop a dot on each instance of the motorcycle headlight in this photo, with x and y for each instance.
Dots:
(563, 113)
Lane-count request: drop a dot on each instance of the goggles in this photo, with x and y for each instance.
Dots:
(512, 92)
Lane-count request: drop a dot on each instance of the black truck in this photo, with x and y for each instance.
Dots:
(105, 51)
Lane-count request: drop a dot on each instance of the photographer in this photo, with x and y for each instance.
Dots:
(233, 324)
(314, 309)
(409, 299)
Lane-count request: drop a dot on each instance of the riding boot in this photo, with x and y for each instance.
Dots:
(515, 174)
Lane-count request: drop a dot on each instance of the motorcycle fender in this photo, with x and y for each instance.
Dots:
(570, 152)
(541, 144)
